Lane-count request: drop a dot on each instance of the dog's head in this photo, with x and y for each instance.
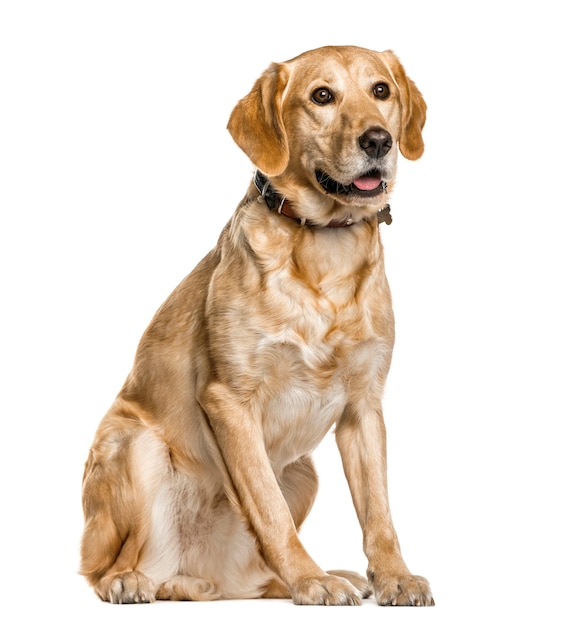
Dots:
(326, 126)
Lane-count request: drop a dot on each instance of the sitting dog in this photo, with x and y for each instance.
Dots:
(200, 474)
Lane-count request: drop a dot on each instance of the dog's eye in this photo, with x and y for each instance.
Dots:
(381, 91)
(322, 96)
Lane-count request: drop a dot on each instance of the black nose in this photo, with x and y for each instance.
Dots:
(376, 142)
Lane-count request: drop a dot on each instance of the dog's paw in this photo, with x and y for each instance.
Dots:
(327, 590)
(360, 582)
(127, 588)
(182, 587)
(406, 590)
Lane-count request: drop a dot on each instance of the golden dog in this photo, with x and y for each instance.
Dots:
(200, 474)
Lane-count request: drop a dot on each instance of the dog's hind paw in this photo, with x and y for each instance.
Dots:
(327, 590)
(360, 582)
(126, 588)
(187, 588)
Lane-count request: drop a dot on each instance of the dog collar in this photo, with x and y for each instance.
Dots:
(276, 202)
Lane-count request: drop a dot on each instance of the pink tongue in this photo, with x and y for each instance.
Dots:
(367, 183)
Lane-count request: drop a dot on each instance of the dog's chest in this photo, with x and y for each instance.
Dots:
(296, 402)
(308, 366)
(317, 330)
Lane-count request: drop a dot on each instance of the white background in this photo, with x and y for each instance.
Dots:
(117, 175)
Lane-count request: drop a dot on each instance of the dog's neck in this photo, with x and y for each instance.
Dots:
(276, 202)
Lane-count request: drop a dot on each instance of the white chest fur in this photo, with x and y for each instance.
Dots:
(323, 340)
(317, 328)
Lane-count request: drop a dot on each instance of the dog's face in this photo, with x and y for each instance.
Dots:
(327, 126)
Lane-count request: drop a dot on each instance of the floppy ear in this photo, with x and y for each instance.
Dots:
(256, 122)
(413, 110)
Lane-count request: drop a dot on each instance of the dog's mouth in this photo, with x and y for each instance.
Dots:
(368, 185)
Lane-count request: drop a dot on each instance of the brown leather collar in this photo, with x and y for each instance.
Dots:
(276, 202)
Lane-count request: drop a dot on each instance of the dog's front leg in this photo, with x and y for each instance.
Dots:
(361, 439)
(242, 446)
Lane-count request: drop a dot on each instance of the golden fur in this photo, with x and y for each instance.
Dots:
(200, 474)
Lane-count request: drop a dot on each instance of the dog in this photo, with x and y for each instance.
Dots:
(200, 474)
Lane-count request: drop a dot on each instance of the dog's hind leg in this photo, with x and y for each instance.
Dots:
(117, 502)
(299, 485)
